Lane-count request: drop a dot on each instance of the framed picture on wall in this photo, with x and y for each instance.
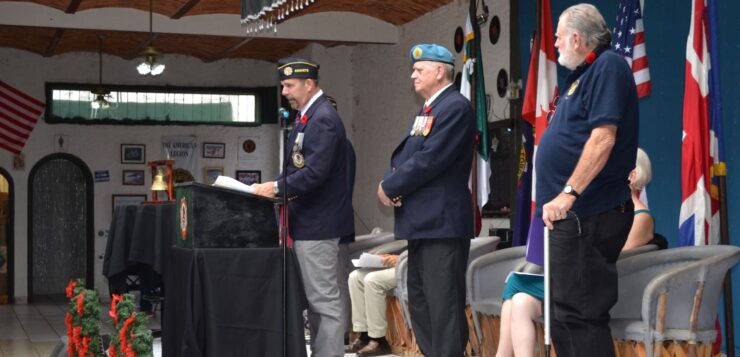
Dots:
(133, 177)
(214, 150)
(126, 199)
(249, 176)
(133, 153)
(211, 173)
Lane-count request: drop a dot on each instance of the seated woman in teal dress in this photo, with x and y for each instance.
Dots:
(523, 293)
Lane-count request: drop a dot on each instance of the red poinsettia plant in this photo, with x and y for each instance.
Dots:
(132, 336)
(83, 320)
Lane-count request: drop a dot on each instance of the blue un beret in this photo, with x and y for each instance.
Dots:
(294, 67)
(431, 52)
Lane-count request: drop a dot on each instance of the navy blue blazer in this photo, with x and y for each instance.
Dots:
(320, 205)
(429, 174)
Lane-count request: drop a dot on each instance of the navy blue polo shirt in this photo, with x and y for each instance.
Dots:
(595, 95)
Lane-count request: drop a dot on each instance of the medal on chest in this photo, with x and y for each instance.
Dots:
(423, 123)
(297, 157)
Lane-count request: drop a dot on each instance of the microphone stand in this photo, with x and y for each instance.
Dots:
(285, 128)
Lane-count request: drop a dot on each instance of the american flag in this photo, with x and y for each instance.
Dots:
(18, 115)
(628, 40)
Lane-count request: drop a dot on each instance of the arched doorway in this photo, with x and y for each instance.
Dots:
(60, 224)
(6, 237)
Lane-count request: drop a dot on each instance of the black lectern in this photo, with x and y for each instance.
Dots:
(227, 302)
(214, 217)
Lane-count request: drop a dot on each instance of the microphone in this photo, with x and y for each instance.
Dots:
(283, 114)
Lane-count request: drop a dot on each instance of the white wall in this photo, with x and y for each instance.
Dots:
(370, 82)
(99, 146)
(385, 102)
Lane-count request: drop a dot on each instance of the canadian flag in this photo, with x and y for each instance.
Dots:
(539, 97)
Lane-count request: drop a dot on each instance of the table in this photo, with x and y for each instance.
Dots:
(224, 302)
(140, 234)
(228, 302)
(138, 238)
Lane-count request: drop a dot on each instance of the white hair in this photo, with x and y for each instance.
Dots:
(643, 171)
(587, 20)
(449, 71)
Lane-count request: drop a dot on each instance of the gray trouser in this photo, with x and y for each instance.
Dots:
(318, 262)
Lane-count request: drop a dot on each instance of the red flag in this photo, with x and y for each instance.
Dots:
(696, 205)
(18, 116)
(539, 98)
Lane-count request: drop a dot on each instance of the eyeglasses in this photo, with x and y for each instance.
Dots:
(553, 106)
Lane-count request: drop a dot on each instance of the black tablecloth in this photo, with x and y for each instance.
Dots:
(119, 239)
(153, 233)
(139, 234)
(228, 302)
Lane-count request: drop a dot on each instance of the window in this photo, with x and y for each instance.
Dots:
(74, 103)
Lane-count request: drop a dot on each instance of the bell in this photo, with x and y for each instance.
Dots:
(159, 183)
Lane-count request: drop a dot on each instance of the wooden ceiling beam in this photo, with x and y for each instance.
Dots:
(229, 50)
(73, 6)
(54, 43)
(184, 9)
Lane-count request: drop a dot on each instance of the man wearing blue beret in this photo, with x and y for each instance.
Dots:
(320, 193)
(427, 184)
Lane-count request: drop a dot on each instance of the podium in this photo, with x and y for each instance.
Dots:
(228, 302)
(214, 217)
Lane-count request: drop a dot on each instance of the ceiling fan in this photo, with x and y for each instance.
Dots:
(150, 66)
(100, 93)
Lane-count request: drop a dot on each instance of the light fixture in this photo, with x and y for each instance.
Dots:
(100, 92)
(264, 15)
(149, 65)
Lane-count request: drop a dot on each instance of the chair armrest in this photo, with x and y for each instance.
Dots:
(486, 274)
(681, 284)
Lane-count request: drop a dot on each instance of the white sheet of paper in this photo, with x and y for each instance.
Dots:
(232, 184)
(368, 261)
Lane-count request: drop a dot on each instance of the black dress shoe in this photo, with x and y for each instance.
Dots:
(355, 346)
(374, 348)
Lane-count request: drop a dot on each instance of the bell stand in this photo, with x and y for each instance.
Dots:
(154, 165)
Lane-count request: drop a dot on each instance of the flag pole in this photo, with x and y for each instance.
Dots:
(546, 311)
(546, 235)
(477, 215)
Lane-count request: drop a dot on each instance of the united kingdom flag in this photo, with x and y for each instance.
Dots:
(628, 40)
(698, 221)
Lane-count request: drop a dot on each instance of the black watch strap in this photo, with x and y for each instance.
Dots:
(568, 189)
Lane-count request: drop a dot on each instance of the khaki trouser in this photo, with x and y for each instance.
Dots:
(368, 288)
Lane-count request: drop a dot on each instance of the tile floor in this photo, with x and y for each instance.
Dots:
(34, 330)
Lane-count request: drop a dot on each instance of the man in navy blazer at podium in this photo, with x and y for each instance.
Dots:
(427, 183)
(320, 207)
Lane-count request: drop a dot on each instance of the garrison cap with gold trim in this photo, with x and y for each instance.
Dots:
(294, 67)
(431, 52)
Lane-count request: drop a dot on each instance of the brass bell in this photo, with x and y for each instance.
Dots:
(159, 183)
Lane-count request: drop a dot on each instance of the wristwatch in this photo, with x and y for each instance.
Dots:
(568, 189)
(275, 188)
